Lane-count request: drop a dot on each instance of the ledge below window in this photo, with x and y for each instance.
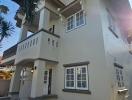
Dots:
(44, 97)
(77, 91)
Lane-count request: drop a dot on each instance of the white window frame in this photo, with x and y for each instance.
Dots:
(80, 88)
(120, 76)
(75, 21)
(75, 78)
(66, 77)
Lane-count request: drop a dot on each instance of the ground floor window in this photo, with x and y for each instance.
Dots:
(119, 75)
(76, 77)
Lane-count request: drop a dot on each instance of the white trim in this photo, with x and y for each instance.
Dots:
(75, 22)
(120, 76)
(80, 88)
(66, 77)
(75, 78)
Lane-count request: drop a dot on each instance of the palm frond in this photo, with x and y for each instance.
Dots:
(3, 9)
(6, 29)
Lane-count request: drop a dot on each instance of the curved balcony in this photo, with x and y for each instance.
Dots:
(41, 45)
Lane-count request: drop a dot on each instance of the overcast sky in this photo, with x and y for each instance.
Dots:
(13, 39)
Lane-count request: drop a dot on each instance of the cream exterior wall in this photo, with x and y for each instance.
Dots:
(91, 42)
(116, 51)
(85, 44)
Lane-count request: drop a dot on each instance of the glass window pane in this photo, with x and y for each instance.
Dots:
(79, 77)
(79, 18)
(120, 72)
(84, 84)
(119, 76)
(84, 70)
(72, 77)
(68, 77)
(68, 71)
(70, 23)
(68, 83)
(83, 76)
(79, 84)
(72, 71)
(72, 83)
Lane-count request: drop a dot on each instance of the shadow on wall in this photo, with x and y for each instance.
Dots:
(4, 87)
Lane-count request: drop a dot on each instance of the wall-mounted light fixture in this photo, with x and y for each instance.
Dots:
(33, 69)
(124, 90)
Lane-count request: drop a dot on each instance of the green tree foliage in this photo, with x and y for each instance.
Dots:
(28, 7)
(3, 9)
(6, 28)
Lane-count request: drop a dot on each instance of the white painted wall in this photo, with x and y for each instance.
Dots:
(116, 48)
(92, 42)
(85, 44)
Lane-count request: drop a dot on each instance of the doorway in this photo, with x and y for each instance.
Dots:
(50, 81)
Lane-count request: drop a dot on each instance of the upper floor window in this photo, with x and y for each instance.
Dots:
(75, 20)
(80, 18)
(112, 24)
(70, 23)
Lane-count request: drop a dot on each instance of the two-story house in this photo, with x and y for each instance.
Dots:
(78, 50)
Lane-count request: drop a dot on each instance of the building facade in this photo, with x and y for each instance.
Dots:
(74, 49)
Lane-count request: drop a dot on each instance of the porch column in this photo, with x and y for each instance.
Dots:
(44, 19)
(15, 81)
(38, 79)
(23, 33)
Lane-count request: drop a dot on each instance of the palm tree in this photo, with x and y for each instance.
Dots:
(3, 9)
(6, 28)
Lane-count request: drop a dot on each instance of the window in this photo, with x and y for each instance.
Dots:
(70, 78)
(119, 76)
(79, 18)
(75, 20)
(70, 23)
(81, 77)
(76, 77)
(112, 24)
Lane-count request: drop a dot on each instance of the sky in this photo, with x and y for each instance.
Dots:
(130, 1)
(13, 39)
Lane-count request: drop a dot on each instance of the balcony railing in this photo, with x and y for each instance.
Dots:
(42, 44)
(10, 52)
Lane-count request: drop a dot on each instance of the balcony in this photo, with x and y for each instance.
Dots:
(41, 45)
(9, 55)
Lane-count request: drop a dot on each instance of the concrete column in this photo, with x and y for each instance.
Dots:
(23, 33)
(44, 19)
(15, 81)
(38, 79)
